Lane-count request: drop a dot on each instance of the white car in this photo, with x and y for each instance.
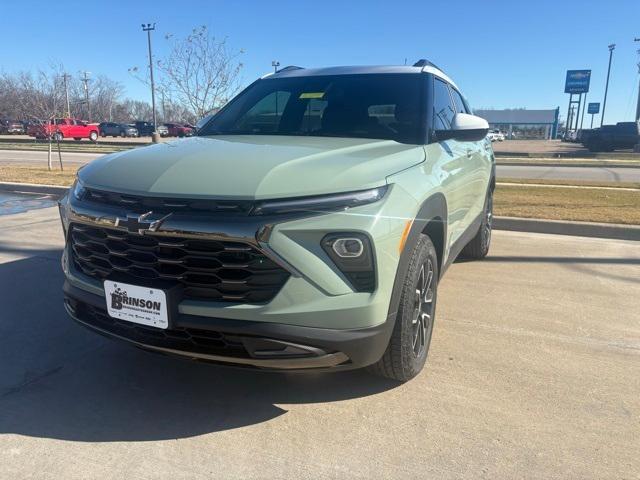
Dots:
(495, 136)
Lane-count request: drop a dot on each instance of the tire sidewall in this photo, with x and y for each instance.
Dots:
(413, 364)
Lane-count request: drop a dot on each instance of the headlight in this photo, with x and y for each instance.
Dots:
(77, 189)
(320, 203)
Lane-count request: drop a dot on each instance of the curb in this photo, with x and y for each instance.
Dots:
(33, 188)
(562, 227)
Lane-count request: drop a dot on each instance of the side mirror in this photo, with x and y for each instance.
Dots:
(465, 128)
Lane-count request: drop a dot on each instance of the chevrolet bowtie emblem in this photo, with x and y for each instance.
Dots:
(140, 223)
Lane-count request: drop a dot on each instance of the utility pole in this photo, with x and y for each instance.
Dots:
(638, 104)
(584, 107)
(85, 81)
(275, 64)
(612, 47)
(65, 77)
(149, 28)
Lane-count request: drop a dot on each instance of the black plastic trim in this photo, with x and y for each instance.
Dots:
(435, 207)
(361, 347)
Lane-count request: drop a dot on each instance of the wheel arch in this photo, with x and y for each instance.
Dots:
(431, 220)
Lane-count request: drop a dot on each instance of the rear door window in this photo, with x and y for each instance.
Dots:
(459, 102)
(443, 110)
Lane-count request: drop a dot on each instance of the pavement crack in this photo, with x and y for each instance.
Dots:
(27, 383)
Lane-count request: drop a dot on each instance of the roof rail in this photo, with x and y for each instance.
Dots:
(290, 67)
(423, 62)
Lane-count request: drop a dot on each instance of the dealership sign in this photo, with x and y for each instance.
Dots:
(593, 108)
(577, 81)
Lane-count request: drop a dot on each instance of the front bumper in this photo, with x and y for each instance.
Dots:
(270, 346)
(316, 310)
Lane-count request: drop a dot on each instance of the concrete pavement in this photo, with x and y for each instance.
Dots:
(533, 372)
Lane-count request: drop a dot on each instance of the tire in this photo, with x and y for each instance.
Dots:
(123, 134)
(408, 347)
(58, 136)
(93, 136)
(478, 247)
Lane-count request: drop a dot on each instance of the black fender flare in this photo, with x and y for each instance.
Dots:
(433, 211)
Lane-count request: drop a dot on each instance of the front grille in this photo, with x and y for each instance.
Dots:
(183, 339)
(206, 269)
(138, 204)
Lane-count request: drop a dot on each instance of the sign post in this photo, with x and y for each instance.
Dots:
(577, 82)
(593, 109)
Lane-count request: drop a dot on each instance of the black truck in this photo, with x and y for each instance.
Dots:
(608, 138)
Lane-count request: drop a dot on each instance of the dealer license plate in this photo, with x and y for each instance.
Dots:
(146, 306)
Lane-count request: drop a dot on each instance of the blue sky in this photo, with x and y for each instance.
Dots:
(502, 54)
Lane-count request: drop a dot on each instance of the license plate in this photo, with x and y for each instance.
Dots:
(146, 306)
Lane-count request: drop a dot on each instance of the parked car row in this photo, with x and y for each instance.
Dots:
(145, 129)
(495, 136)
(11, 127)
(611, 137)
(60, 128)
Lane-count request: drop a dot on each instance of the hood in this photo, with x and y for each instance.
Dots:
(251, 167)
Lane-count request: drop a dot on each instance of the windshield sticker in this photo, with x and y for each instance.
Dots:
(311, 95)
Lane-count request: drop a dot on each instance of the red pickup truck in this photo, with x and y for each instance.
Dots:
(59, 128)
(178, 130)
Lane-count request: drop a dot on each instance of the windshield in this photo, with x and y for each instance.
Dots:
(381, 106)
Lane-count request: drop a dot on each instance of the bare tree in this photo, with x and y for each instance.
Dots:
(201, 73)
(41, 97)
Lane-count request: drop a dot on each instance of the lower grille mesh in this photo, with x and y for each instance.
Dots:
(207, 269)
(183, 339)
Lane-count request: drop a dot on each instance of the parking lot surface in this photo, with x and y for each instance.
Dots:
(532, 373)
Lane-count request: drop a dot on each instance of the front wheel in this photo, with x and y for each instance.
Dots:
(478, 247)
(408, 347)
(93, 136)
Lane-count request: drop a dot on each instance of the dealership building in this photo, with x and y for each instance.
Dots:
(523, 124)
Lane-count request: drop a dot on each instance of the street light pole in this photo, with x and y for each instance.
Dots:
(612, 47)
(149, 28)
(638, 104)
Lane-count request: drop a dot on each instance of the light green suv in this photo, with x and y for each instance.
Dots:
(305, 227)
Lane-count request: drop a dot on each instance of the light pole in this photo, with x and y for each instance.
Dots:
(612, 47)
(149, 28)
(638, 104)
(85, 81)
(275, 64)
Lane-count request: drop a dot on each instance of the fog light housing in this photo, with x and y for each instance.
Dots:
(353, 255)
(349, 247)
